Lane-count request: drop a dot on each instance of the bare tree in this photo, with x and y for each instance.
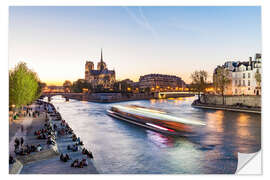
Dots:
(221, 79)
(199, 83)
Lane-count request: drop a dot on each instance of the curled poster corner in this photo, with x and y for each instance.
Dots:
(249, 163)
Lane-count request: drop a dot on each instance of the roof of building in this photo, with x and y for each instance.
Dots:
(104, 71)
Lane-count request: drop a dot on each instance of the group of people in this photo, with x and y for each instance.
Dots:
(18, 142)
(74, 147)
(31, 113)
(27, 149)
(77, 139)
(86, 152)
(64, 158)
(47, 132)
(79, 164)
(64, 128)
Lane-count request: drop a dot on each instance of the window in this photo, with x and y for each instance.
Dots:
(239, 82)
(248, 75)
(244, 75)
(244, 84)
(248, 82)
(235, 82)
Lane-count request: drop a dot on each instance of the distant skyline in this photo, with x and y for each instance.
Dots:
(56, 41)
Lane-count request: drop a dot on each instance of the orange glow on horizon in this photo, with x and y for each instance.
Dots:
(54, 83)
(58, 82)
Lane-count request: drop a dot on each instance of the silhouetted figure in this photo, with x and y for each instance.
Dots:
(22, 141)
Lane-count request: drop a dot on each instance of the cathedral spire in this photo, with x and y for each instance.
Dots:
(101, 59)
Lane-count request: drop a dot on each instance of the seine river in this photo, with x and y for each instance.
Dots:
(120, 147)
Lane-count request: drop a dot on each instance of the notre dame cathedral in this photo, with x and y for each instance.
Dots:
(100, 76)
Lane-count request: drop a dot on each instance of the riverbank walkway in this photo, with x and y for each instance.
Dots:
(48, 160)
(24, 127)
(255, 110)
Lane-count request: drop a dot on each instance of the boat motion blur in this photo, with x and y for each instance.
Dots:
(154, 119)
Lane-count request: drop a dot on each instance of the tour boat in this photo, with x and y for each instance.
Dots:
(154, 119)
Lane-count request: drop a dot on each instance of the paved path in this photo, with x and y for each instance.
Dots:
(55, 166)
(25, 127)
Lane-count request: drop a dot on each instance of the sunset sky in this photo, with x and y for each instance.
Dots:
(56, 41)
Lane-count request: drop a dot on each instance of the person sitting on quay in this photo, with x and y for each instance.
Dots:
(85, 162)
(20, 151)
(16, 143)
(64, 158)
(42, 136)
(11, 160)
(75, 163)
(79, 164)
(74, 137)
(80, 143)
(55, 127)
(22, 141)
(86, 152)
(75, 148)
(39, 147)
(50, 141)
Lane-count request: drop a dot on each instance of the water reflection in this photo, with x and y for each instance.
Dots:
(159, 139)
(215, 120)
(242, 128)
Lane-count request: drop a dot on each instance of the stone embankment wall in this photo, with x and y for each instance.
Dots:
(22, 160)
(16, 167)
(252, 101)
(110, 97)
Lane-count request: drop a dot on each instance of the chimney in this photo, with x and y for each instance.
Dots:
(250, 60)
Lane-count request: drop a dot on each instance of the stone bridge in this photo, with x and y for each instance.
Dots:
(67, 96)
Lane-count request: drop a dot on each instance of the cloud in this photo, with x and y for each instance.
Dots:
(141, 20)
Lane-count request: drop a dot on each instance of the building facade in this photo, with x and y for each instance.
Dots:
(161, 82)
(100, 76)
(243, 76)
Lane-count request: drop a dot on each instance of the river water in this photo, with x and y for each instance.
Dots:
(120, 147)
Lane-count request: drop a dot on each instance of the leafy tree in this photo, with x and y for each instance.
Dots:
(67, 85)
(41, 85)
(258, 77)
(77, 86)
(221, 79)
(99, 88)
(258, 80)
(199, 83)
(23, 85)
